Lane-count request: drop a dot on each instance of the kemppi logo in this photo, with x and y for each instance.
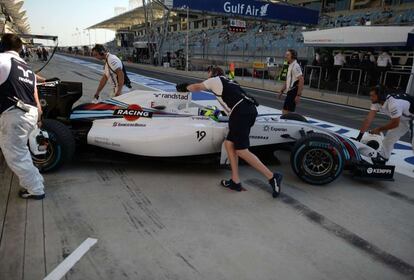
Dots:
(371, 170)
(132, 113)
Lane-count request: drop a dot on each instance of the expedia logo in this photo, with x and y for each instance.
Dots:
(133, 113)
(272, 128)
(371, 170)
(171, 96)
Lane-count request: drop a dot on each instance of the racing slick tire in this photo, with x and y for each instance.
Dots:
(60, 146)
(294, 117)
(317, 159)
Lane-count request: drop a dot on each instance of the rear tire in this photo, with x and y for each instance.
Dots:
(317, 159)
(61, 147)
(294, 117)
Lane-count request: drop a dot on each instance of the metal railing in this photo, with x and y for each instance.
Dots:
(399, 73)
(352, 73)
(312, 67)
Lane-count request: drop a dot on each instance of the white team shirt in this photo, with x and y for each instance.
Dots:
(293, 74)
(394, 108)
(317, 57)
(383, 60)
(5, 64)
(115, 63)
(339, 59)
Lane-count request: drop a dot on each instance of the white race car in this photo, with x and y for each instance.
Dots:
(170, 124)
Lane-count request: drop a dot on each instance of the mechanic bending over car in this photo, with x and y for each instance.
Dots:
(294, 83)
(400, 108)
(242, 113)
(114, 71)
(20, 111)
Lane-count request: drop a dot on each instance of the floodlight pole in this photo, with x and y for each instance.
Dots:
(188, 33)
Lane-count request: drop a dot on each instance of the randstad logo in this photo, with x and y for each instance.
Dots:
(247, 10)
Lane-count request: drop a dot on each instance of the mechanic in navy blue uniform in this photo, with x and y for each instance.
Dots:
(19, 119)
(242, 113)
(294, 83)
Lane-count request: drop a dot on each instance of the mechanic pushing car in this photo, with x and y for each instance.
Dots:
(294, 83)
(114, 71)
(20, 111)
(400, 108)
(242, 113)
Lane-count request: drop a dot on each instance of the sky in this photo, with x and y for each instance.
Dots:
(63, 17)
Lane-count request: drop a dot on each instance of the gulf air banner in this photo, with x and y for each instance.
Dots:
(252, 9)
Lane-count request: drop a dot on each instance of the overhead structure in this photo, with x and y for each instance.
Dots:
(135, 16)
(254, 9)
(155, 16)
(360, 36)
(13, 18)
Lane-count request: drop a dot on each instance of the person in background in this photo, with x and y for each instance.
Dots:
(327, 62)
(39, 54)
(45, 54)
(384, 63)
(354, 62)
(339, 62)
(317, 59)
(372, 58)
(294, 83)
(368, 67)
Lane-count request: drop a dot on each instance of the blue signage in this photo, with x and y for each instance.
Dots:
(254, 9)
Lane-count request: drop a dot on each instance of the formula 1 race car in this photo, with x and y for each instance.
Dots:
(170, 124)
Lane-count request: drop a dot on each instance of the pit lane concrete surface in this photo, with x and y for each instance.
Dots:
(170, 219)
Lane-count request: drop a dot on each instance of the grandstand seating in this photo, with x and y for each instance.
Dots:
(271, 39)
(275, 38)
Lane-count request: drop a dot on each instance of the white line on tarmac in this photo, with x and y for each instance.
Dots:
(71, 260)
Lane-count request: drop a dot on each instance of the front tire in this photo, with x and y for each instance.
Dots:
(317, 159)
(60, 147)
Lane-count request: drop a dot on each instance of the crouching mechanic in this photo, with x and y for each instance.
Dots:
(20, 111)
(242, 112)
(400, 108)
(114, 71)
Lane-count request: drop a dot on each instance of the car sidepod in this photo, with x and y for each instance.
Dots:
(159, 136)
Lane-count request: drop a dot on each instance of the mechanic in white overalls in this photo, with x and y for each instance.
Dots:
(242, 113)
(400, 108)
(294, 83)
(18, 119)
(114, 71)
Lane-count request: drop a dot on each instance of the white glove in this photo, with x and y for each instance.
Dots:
(95, 100)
